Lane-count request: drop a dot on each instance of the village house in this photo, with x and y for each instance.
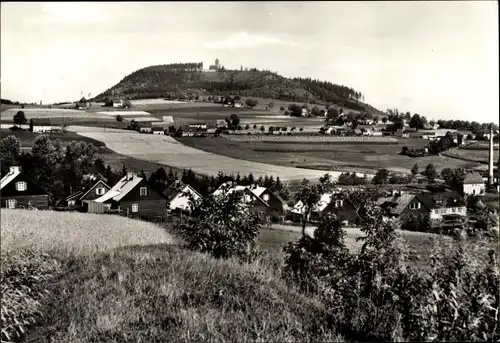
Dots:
(473, 184)
(145, 127)
(248, 197)
(158, 130)
(401, 204)
(445, 206)
(41, 125)
(118, 103)
(276, 204)
(220, 123)
(177, 198)
(133, 196)
(19, 191)
(95, 189)
(343, 208)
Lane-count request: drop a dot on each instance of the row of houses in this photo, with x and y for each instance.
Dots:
(134, 196)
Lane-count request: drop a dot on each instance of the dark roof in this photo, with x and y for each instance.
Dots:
(85, 189)
(158, 128)
(144, 123)
(447, 199)
(473, 178)
(172, 190)
(41, 121)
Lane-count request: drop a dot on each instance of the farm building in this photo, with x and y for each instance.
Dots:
(133, 196)
(145, 127)
(177, 198)
(118, 103)
(337, 204)
(94, 190)
(158, 130)
(19, 191)
(473, 184)
(41, 125)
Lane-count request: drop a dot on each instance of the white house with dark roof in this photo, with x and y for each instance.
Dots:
(473, 184)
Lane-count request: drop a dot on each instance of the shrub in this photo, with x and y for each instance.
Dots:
(222, 225)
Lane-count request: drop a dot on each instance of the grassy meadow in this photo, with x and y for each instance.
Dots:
(360, 157)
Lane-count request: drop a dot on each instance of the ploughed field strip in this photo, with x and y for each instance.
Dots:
(166, 150)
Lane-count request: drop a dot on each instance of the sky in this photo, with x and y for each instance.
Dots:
(438, 59)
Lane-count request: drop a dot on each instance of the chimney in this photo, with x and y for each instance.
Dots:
(14, 169)
(490, 159)
(130, 176)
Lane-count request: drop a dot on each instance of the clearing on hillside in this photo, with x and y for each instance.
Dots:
(75, 233)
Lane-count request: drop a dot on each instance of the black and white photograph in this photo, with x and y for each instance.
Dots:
(238, 171)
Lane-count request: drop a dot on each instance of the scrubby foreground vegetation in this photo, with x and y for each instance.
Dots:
(218, 285)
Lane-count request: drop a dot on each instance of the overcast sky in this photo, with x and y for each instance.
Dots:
(439, 59)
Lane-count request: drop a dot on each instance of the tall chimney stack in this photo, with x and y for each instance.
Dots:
(490, 158)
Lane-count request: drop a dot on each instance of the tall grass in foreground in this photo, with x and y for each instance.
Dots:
(36, 246)
(65, 233)
(168, 294)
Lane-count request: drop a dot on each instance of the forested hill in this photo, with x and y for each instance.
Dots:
(189, 80)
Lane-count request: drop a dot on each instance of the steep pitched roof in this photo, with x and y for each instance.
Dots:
(473, 178)
(83, 192)
(121, 189)
(8, 178)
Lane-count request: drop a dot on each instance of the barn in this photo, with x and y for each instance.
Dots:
(19, 191)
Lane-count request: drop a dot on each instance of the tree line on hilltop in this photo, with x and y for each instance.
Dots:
(157, 81)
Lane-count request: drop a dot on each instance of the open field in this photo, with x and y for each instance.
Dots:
(166, 150)
(26, 138)
(75, 233)
(50, 113)
(473, 155)
(326, 156)
(115, 160)
(311, 139)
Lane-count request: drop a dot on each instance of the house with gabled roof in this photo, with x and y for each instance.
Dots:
(276, 204)
(448, 208)
(248, 197)
(402, 204)
(335, 203)
(135, 197)
(177, 196)
(93, 190)
(473, 184)
(18, 191)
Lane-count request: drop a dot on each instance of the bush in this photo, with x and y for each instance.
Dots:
(223, 226)
(380, 293)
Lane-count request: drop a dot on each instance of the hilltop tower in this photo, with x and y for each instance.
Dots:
(490, 158)
(217, 63)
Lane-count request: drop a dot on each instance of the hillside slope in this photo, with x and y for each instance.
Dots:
(186, 79)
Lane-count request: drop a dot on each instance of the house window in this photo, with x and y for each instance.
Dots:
(144, 191)
(11, 203)
(338, 203)
(100, 191)
(266, 197)
(453, 210)
(21, 186)
(414, 206)
(473, 191)
(135, 207)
